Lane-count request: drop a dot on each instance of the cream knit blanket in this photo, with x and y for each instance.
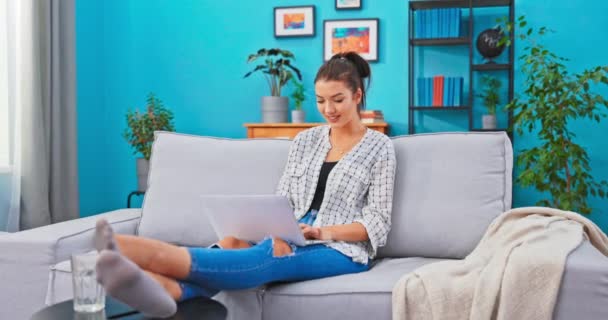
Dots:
(514, 272)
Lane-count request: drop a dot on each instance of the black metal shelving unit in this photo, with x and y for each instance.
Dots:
(467, 41)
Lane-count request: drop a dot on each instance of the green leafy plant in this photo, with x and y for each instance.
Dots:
(277, 68)
(141, 125)
(298, 94)
(552, 98)
(490, 95)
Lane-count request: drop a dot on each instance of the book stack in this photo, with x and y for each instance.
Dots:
(439, 91)
(438, 23)
(371, 116)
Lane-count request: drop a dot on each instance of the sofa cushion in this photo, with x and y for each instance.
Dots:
(365, 295)
(448, 189)
(183, 167)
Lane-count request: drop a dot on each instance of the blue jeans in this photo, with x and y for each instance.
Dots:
(213, 270)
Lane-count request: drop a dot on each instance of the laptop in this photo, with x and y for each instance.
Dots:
(253, 218)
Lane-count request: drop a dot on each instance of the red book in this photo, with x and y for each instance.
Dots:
(436, 91)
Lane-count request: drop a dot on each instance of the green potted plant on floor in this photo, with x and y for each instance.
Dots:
(278, 70)
(552, 98)
(491, 99)
(298, 95)
(140, 133)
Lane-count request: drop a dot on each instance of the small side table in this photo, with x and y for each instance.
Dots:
(134, 193)
(197, 308)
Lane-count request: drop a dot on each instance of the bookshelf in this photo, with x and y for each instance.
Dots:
(474, 67)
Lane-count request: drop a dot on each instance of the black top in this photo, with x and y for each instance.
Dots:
(318, 199)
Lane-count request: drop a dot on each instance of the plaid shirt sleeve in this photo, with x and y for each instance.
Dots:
(377, 210)
(284, 181)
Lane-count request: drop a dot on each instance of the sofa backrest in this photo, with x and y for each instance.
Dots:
(448, 187)
(183, 167)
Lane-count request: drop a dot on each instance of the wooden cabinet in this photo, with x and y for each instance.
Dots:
(290, 130)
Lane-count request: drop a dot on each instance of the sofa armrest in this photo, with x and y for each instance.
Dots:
(25, 257)
(584, 289)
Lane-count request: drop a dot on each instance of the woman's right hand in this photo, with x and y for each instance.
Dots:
(314, 233)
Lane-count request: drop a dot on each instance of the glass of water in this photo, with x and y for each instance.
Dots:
(89, 295)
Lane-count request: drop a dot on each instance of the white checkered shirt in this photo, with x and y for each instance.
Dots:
(359, 188)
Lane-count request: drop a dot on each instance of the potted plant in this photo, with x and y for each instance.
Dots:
(552, 98)
(491, 99)
(140, 133)
(298, 95)
(278, 70)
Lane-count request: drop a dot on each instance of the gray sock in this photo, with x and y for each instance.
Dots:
(104, 236)
(125, 281)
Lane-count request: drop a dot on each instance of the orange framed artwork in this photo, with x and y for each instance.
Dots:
(359, 35)
(294, 21)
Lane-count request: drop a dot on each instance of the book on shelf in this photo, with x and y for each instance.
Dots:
(439, 91)
(438, 23)
(371, 116)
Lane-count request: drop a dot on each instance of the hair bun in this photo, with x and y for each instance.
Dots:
(361, 64)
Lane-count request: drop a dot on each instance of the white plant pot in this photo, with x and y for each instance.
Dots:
(488, 121)
(298, 116)
(143, 167)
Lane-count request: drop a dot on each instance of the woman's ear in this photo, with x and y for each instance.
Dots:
(357, 96)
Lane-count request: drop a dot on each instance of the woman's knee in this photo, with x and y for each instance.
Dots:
(231, 242)
(280, 248)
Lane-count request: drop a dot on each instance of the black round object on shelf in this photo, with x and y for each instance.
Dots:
(487, 43)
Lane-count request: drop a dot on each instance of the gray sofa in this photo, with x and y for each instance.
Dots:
(448, 189)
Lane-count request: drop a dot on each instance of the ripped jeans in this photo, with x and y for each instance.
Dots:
(213, 270)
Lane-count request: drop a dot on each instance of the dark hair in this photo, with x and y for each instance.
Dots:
(349, 68)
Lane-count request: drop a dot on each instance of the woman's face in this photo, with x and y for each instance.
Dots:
(337, 103)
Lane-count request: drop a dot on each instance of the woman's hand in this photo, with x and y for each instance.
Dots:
(314, 233)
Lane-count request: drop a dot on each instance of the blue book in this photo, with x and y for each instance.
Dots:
(458, 93)
(452, 91)
(433, 24)
(429, 92)
(448, 23)
(451, 18)
(439, 23)
(417, 25)
(446, 93)
(455, 13)
(448, 89)
(423, 100)
(444, 23)
(458, 23)
(424, 19)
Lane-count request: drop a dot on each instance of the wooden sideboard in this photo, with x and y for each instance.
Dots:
(290, 130)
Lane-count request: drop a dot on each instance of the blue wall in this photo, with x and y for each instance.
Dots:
(192, 54)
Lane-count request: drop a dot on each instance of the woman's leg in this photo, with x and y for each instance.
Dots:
(268, 261)
(163, 258)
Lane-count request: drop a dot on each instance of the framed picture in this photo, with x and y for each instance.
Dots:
(348, 4)
(294, 21)
(359, 35)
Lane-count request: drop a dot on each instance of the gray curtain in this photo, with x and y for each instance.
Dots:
(49, 181)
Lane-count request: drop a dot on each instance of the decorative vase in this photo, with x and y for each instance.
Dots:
(274, 109)
(143, 167)
(488, 121)
(298, 116)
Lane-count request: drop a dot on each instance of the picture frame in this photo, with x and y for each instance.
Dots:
(294, 21)
(359, 35)
(348, 4)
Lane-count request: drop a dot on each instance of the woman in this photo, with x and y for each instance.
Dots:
(339, 180)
